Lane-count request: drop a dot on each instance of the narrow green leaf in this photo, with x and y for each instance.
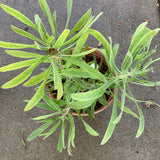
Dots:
(80, 44)
(81, 104)
(35, 80)
(62, 38)
(94, 94)
(69, 10)
(81, 22)
(87, 68)
(44, 106)
(10, 45)
(127, 62)
(18, 15)
(122, 104)
(61, 144)
(103, 40)
(83, 30)
(79, 73)
(72, 129)
(51, 131)
(22, 54)
(17, 65)
(26, 34)
(88, 128)
(38, 131)
(41, 28)
(45, 116)
(36, 98)
(23, 76)
(115, 50)
(46, 11)
(57, 79)
(111, 125)
(51, 103)
(45, 8)
(142, 120)
(127, 110)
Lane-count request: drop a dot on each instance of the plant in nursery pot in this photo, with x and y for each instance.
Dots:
(80, 80)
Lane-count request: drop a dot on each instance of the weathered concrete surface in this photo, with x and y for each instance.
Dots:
(123, 145)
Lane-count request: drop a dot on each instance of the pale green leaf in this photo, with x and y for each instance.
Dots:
(23, 76)
(69, 10)
(94, 94)
(81, 22)
(26, 34)
(76, 72)
(10, 45)
(81, 104)
(51, 131)
(111, 125)
(18, 15)
(22, 54)
(62, 38)
(87, 68)
(45, 116)
(38, 131)
(88, 128)
(17, 65)
(51, 103)
(35, 80)
(36, 98)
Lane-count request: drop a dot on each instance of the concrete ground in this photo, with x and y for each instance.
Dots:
(123, 145)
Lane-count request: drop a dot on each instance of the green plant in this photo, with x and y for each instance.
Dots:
(76, 83)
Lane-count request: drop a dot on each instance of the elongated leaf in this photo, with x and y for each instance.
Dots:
(79, 73)
(55, 25)
(45, 116)
(51, 131)
(17, 65)
(46, 11)
(41, 28)
(36, 98)
(127, 62)
(22, 54)
(87, 68)
(83, 30)
(142, 120)
(61, 144)
(26, 34)
(122, 104)
(81, 22)
(115, 50)
(80, 54)
(35, 80)
(72, 129)
(111, 125)
(23, 76)
(81, 104)
(10, 45)
(103, 40)
(18, 15)
(69, 10)
(91, 95)
(37, 132)
(51, 103)
(57, 79)
(88, 128)
(127, 110)
(45, 8)
(44, 106)
(62, 38)
(138, 30)
(80, 44)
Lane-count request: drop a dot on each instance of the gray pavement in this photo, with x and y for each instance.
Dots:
(123, 145)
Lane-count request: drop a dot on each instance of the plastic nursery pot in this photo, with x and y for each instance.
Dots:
(99, 56)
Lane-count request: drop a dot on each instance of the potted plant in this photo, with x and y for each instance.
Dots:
(79, 79)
